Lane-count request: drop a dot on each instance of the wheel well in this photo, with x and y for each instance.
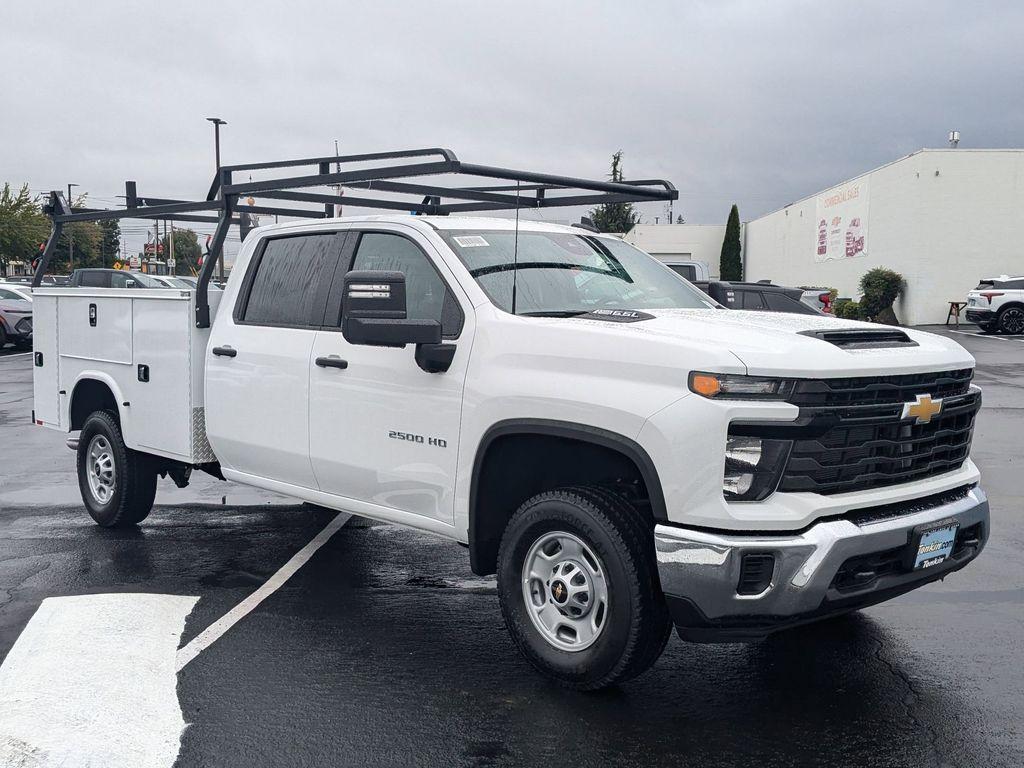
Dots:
(516, 463)
(88, 396)
(1015, 304)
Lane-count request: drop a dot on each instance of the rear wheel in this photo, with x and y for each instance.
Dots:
(3, 336)
(579, 588)
(1011, 320)
(118, 485)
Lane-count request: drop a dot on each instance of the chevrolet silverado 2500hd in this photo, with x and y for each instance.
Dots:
(625, 455)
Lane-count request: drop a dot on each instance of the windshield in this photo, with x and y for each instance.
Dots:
(560, 273)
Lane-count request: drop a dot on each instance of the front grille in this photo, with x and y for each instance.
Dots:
(876, 390)
(24, 325)
(851, 436)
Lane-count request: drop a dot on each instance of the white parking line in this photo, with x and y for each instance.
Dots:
(91, 681)
(982, 336)
(11, 357)
(215, 631)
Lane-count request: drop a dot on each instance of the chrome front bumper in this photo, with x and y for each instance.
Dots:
(700, 570)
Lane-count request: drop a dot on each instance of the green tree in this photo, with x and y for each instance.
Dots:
(110, 241)
(22, 226)
(731, 265)
(615, 217)
(186, 251)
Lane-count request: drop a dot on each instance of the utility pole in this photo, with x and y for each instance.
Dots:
(217, 123)
(71, 235)
(337, 187)
(172, 267)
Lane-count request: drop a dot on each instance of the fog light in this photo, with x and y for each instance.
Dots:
(756, 572)
(752, 467)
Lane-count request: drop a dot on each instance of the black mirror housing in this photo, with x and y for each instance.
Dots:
(373, 312)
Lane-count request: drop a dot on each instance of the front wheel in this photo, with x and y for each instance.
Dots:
(118, 485)
(579, 590)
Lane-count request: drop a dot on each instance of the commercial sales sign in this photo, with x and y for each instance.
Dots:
(841, 215)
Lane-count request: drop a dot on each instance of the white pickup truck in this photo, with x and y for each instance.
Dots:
(622, 453)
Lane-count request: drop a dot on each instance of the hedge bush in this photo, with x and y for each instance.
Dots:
(879, 288)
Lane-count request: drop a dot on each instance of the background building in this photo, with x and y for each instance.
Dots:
(685, 241)
(943, 218)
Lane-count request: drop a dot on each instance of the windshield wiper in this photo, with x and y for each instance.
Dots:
(556, 313)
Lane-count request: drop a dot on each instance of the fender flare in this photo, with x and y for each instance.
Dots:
(105, 378)
(582, 432)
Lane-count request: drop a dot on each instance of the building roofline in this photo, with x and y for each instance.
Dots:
(879, 168)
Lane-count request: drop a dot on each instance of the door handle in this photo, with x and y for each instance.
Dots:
(332, 362)
(225, 351)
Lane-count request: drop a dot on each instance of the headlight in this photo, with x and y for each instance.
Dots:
(752, 467)
(722, 386)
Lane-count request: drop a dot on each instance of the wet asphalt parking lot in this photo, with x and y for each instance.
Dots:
(383, 648)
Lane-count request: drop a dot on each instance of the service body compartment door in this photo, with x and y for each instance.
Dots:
(46, 361)
(158, 385)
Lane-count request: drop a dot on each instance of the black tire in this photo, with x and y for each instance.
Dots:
(637, 625)
(3, 336)
(133, 488)
(1011, 320)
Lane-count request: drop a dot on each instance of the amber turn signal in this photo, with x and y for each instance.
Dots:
(705, 384)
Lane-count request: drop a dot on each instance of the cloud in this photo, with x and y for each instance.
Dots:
(757, 103)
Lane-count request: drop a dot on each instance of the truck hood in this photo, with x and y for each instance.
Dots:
(778, 344)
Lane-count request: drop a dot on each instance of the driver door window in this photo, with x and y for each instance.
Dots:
(427, 296)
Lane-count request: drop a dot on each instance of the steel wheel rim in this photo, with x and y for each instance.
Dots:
(1013, 321)
(565, 589)
(100, 469)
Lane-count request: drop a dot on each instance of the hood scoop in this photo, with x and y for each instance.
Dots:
(857, 338)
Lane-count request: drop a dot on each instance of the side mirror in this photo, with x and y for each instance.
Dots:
(373, 312)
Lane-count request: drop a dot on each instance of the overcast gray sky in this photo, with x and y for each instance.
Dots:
(758, 103)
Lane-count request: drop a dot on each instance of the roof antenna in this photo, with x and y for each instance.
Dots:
(515, 252)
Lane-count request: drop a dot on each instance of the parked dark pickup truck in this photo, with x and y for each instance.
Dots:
(757, 296)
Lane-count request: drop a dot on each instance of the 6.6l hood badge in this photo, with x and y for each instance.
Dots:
(923, 410)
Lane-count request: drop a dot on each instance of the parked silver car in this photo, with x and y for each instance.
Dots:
(15, 317)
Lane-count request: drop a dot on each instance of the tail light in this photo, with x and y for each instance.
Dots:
(826, 300)
(990, 294)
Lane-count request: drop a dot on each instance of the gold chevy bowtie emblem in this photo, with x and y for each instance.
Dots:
(923, 410)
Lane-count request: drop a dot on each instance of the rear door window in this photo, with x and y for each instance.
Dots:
(95, 280)
(751, 299)
(288, 281)
(686, 270)
(780, 302)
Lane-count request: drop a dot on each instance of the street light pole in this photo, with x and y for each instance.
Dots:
(71, 235)
(217, 123)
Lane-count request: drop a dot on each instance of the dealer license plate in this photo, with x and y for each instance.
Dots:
(933, 543)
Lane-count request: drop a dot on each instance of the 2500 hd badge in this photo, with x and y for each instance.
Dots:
(409, 437)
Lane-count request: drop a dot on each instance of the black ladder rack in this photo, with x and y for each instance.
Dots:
(222, 205)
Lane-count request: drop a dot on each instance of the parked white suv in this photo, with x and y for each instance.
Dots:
(997, 304)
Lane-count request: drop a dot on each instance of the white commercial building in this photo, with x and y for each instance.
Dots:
(943, 218)
(694, 242)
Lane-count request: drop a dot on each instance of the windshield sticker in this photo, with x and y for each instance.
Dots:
(471, 241)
